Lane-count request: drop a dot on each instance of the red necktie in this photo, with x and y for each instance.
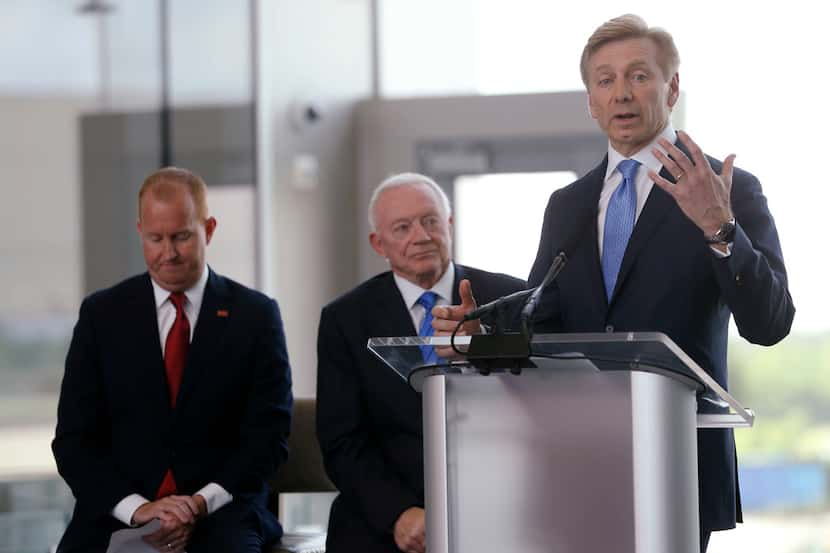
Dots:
(175, 354)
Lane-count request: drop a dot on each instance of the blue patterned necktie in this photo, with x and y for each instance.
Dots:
(619, 224)
(427, 300)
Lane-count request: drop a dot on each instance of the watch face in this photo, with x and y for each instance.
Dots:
(727, 231)
(724, 235)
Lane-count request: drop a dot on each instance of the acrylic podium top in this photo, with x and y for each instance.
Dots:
(633, 351)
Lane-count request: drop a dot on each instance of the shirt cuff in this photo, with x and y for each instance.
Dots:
(215, 496)
(126, 508)
(721, 254)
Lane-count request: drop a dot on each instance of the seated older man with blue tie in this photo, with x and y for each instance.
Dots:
(368, 418)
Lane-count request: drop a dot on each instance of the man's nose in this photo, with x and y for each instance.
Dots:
(622, 90)
(419, 232)
(170, 251)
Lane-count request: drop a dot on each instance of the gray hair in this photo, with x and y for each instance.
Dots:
(406, 179)
(632, 26)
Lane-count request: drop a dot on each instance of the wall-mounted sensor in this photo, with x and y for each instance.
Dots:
(305, 114)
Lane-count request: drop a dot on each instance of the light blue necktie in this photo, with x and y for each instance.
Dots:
(427, 300)
(619, 224)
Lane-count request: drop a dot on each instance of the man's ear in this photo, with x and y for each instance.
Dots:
(210, 226)
(377, 244)
(674, 89)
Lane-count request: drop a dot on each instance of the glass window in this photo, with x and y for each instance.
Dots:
(502, 213)
(65, 62)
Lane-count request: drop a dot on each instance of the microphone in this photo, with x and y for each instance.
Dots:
(535, 293)
(584, 218)
(532, 302)
(487, 352)
(496, 303)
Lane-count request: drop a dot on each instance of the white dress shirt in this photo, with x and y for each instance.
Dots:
(411, 292)
(215, 495)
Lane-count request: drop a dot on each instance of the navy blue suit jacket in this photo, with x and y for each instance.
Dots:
(117, 433)
(670, 281)
(368, 419)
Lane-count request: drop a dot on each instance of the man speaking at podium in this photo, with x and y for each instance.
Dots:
(368, 419)
(659, 237)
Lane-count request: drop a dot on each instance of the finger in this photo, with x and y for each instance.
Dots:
(157, 539)
(420, 541)
(448, 312)
(179, 508)
(178, 514)
(694, 150)
(465, 290)
(443, 325)
(667, 162)
(726, 170)
(186, 502)
(677, 155)
(179, 541)
(665, 185)
(167, 518)
(176, 544)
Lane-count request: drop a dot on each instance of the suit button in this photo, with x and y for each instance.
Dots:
(738, 280)
(609, 328)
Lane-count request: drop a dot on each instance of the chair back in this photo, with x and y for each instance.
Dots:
(303, 471)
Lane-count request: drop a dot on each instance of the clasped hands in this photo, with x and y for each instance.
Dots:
(177, 514)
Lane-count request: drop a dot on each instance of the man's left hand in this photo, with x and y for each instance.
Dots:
(172, 537)
(701, 194)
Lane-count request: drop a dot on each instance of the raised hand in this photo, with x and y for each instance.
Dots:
(701, 194)
(445, 318)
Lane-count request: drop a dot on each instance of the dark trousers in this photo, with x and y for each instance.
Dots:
(243, 526)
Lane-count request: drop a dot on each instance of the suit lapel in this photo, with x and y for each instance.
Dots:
(591, 266)
(211, 324)
(389, 317)
(390, 314)
(146, 333)
(657, 206)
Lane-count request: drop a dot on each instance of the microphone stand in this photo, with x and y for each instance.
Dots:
(511, 350)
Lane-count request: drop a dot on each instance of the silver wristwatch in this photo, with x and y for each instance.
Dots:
(724, 235)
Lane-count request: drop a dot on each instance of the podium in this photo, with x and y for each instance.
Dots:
(588, 446)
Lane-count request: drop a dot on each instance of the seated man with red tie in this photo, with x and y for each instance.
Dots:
(176, 399)
(368, 418)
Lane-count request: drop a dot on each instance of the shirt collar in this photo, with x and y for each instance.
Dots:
(644, 156)
(411, 291)
(194, 294)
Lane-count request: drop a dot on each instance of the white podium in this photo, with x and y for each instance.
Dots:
(588, 448)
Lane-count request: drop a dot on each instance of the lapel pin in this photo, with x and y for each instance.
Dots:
(222, 313)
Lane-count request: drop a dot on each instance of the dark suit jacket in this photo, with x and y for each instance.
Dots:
(670, 281)
(368, 419)
(117, 434)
